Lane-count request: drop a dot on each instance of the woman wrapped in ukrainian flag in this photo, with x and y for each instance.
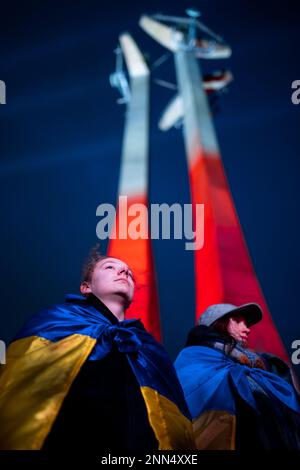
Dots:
(239, 399)
(80, 376)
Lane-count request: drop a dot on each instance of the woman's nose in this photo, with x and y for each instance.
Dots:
(123, 270)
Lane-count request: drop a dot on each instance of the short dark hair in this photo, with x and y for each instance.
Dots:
(90, 262)
(221, 326)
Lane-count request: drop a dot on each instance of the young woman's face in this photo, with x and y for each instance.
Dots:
(238, 329)
(112, 277)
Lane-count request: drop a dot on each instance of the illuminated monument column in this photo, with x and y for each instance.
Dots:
(133, 184)
(223, 268)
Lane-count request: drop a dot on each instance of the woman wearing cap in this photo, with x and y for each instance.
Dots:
(238, 399)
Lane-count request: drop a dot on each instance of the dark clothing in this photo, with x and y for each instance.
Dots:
(201, 334)
(78, 378)
(272, 425)
(106, 415)
(276, 427)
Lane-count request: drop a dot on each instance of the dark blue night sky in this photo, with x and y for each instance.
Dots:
(61, 137)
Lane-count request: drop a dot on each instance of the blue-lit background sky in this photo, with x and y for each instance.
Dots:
(61, 137)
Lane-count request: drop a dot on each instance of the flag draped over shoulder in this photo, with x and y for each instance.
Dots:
(211, 380)
(46, 356)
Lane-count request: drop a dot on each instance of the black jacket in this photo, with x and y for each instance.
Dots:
(104, 409)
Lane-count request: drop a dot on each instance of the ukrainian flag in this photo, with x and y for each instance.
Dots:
(210, 381)
(46, 356)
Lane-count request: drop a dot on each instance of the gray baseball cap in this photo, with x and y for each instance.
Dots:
(251, 312)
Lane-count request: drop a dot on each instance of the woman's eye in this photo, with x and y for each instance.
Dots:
(108, 267)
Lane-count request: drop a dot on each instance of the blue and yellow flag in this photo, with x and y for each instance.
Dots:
(210, 379)
(46, 356)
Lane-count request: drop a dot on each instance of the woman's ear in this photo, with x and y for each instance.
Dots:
(85, 288)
